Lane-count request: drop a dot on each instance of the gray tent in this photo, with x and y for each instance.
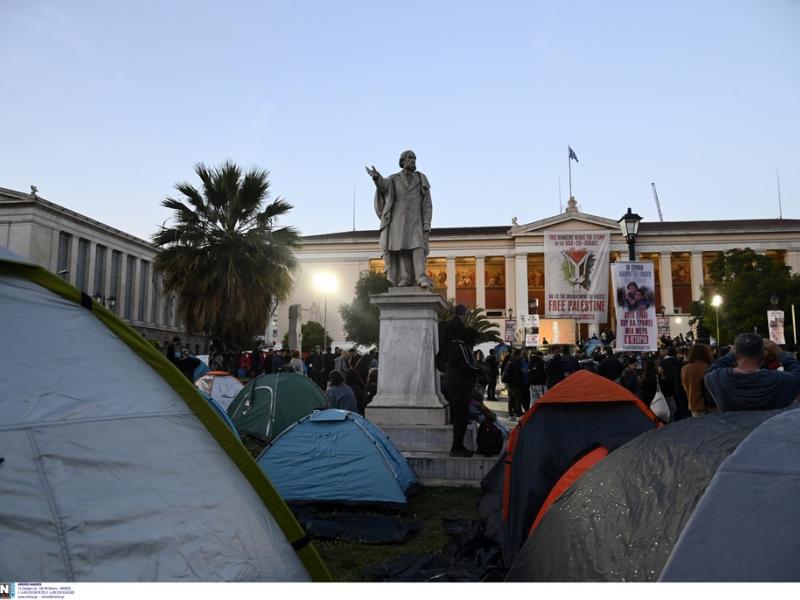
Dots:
(746, 526)
(704, 499)
(113, 467)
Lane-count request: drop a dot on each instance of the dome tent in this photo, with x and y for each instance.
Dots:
(101, 477)
(221, 386)
(336, 456)
(703, 499)
(268, 404)
(571, 428)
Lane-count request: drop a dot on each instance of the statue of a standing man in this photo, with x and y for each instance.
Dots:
(403, 204)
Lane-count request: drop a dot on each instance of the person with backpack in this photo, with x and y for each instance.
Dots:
(699, 400)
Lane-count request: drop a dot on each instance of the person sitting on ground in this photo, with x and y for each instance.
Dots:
(339, 394)
(737, 381)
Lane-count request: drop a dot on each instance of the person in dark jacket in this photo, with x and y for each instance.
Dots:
(737, 381)
(352, 379)
(536, 376)
(610, 367)
(555, 368)
(491, 363)
(516, 384)
(460, 377)
(630, 376)
(372, 384)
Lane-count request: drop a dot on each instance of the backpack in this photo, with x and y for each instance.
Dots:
(490, 438)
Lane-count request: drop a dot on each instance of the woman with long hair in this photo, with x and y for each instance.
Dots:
(700, 358)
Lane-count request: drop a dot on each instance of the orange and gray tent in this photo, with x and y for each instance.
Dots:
(114, 468)
(570, 429)
(712, 498)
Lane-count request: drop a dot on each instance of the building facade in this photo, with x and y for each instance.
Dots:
(113, 267)
(501, 268)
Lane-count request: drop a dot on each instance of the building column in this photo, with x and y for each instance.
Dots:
(107, 284)
(510, 280)
(148, 291)
(793, 260)
(451, 278)
(697, 274)
(594, 329)
(72, 276)
(666, 283)
(480, 281)
(90, 268)
(521, 287)
(135, 289)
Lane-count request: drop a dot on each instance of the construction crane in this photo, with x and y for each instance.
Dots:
(658, 204)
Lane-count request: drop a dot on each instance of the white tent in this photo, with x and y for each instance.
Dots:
(221, 386)
(114, 468)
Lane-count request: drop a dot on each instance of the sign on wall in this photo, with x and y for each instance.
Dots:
(576, 275)
(634, 298)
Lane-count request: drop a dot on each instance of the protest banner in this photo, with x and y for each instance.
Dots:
(775, 322)
(576, 275)
(634, 299)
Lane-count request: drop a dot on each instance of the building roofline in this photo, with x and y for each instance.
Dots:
(23, 198)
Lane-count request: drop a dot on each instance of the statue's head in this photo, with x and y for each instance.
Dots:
(408, 155)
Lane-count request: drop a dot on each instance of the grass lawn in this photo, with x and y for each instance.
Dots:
(347, 560)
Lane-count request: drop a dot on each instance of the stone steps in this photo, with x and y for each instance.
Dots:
(439, 468)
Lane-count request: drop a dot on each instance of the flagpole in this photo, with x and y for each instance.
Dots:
(569, 164)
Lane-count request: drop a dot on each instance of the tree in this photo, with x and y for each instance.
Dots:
(360, 317)
(223, 256)
(477, 320)
(311, 333)
(746, 280)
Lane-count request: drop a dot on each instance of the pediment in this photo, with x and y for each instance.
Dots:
(567, 221)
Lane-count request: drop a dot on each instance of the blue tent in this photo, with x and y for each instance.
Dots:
(340, 457)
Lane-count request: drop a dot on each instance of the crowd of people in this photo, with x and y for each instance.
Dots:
(695, 378)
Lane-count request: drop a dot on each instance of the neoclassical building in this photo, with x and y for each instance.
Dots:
(501, 268)
(110, 265)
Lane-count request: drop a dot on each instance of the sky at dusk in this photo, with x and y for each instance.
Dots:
(104, 106)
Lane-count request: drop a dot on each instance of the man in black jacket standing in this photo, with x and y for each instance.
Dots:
(491, 362)
(460, 378)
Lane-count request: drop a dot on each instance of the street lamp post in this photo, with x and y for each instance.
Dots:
(716, 301)
(629, 226)
(326, 284)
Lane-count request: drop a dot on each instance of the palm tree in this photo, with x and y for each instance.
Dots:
(222, 255)
(476, 319)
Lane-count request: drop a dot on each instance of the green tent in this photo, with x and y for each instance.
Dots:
(268, 404)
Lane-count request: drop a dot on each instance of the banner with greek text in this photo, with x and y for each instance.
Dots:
(634, 298)
(775, 322)
(576, 275)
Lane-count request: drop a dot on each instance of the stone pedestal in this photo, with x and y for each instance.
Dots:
(409, 392)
